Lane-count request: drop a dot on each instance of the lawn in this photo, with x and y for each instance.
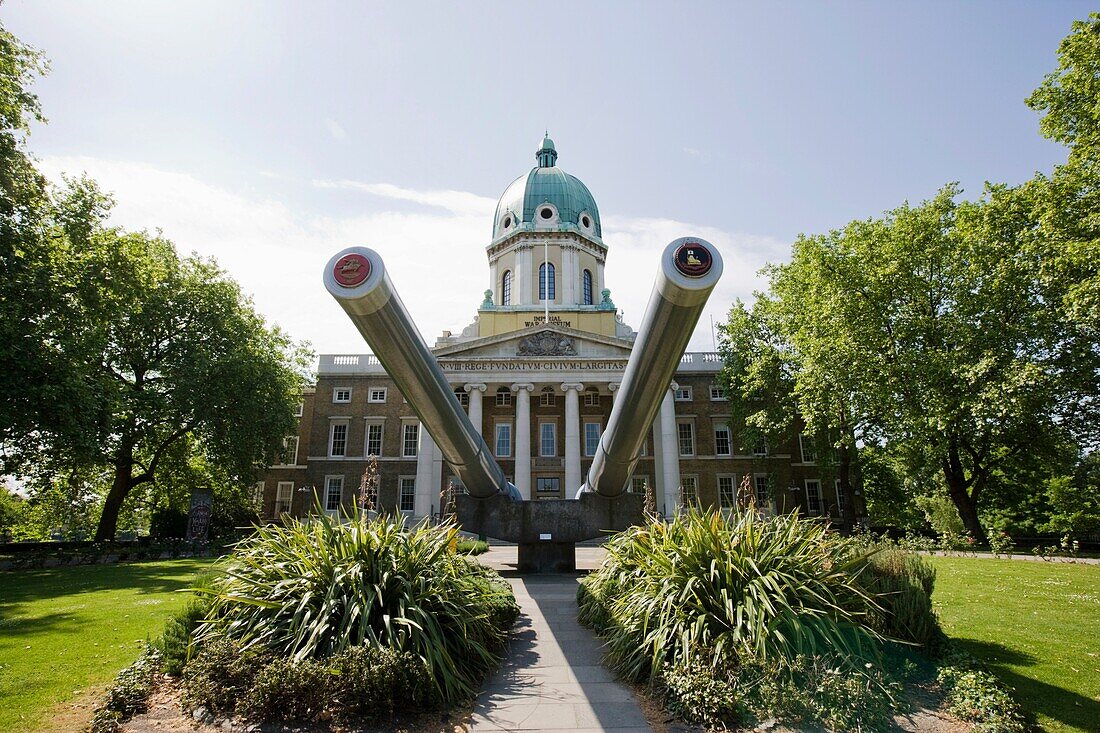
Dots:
(1037, 626)
(66, 632)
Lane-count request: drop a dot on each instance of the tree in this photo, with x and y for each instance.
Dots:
(1068, 95)
(1067, 216)
(177, 354)
(773, 390)
(114, 350)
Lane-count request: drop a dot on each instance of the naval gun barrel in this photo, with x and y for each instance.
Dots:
(357, 279)
(689, 270)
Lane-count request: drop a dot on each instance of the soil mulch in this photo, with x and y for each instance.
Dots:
(166, 715)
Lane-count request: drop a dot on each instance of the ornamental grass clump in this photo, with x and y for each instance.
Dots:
(315, 588)
(710, 589)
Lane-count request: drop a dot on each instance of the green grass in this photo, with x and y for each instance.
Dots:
(66, 632)
(1036, 625)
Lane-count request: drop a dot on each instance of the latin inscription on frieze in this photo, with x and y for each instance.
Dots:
(492, 365)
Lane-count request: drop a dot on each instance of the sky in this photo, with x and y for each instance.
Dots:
(270, 135)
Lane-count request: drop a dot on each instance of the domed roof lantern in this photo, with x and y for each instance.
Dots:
(547, 156)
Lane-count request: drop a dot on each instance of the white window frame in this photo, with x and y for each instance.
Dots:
(840, 498)
(689, 487)
(553, 425)
(723, 427)
(333, 481)
(284, 498)
(287, 453)
(258, 496)
(809, 508)
(683, 394)
(368, 425)
(503, 397)
(547, 397)
(299, 409)
(717, 394)
(590, 446)
(497, 428)
(803, 439)
(406, 489)
(638, 483)
(761, 481)
(462, 396)
(760, 450)
(333, 424)
(377, 395)
(405, 427)
(341, 395)
(722, 503)
(591, 398)
(680, 439)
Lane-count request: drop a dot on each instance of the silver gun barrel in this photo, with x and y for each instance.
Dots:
(357, 279)
(690, 268)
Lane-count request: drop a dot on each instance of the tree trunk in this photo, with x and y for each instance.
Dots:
(844, 475)
(957, 486)
(120, 488)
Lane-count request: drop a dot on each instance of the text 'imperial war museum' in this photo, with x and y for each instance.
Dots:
(537, 372)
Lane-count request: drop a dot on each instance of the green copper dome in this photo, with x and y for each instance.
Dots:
(547, 198)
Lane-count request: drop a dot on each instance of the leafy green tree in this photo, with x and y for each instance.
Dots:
(1075, 499)
(178, 353)
(113, 349)
(774, 392)
(40, 394)
(1068, 95)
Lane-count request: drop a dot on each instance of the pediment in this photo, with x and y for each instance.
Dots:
(541, 341)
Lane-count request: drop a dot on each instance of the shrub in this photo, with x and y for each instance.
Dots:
(174, 643)
(221, 674)
(973, 694)
(739, 587)
(472, 547)
(288, 691)
(816, 691)
(314, 588)
(128, 695)
(372, 683)
(695, 693)
(902, 584)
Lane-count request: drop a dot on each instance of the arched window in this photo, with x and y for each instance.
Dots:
(546, 281)
(587, 288)
(506, 289)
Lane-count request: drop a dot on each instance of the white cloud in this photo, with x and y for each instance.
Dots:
(335, 129)
(436, 256)
(457, 202)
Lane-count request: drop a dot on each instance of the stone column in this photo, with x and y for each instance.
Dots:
(494, 281)
(523, 438)
(475, 391)
(613, 388)
(670, 450)
(521, 286)
(426, 492)
(572, 437)
(570, 276)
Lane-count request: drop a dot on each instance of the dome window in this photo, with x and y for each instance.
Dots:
(586, 222)
(547, 213)
(507, 222)
(546, 281)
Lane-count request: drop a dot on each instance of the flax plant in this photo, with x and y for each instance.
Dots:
(316, 587)
(709, 589)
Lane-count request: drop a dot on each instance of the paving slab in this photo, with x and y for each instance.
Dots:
(552, 679)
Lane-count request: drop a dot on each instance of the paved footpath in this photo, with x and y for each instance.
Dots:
(552, 678)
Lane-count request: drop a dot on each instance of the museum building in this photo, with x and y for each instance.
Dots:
(537, 372)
